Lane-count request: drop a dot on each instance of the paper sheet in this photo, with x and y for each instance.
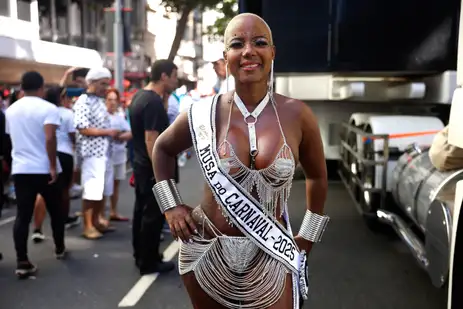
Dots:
(455, 136)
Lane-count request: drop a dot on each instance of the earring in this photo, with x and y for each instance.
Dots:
(270, 86)
(226, 76)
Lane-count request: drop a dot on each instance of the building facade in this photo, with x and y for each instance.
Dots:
(89, 24)
(22, 47)
(53, 35)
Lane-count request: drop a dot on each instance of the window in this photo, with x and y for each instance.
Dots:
(4, 8)
(24, 10)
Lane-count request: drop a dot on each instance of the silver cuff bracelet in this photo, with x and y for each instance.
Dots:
(313, 226)
(167, 195)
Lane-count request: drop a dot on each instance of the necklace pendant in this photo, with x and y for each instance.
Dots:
(252, 137)
(253, 162)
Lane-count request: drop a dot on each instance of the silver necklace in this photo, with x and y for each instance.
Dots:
(251, 122)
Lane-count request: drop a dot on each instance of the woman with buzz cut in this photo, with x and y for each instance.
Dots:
(238, 249)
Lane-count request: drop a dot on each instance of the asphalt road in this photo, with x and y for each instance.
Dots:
(352, 269)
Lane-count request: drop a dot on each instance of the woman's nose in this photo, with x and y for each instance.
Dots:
(248, 49)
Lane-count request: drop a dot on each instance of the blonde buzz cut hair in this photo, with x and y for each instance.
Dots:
(243, 15)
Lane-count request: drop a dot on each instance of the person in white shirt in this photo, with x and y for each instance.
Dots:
(65, 136)
(119, 150)
(93, 146)
(31, 123)
(173, 107)
(224, 83)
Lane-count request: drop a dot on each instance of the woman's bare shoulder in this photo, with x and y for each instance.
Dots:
(296, 108)
(225, 98)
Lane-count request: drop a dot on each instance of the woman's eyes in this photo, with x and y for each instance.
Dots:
(257, 43)
(236, 45)
(261, 43)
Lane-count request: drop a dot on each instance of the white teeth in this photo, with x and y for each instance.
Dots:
(251, 66)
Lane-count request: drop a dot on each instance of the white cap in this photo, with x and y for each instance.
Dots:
(97, 73)
(216, 56)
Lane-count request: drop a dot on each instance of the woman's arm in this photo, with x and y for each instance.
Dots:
(171, 142)
(168, 145)
(124, 136)
(65, 78)
(72, 137)
(312, 160)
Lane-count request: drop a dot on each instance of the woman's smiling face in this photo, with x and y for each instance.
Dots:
(249, 49)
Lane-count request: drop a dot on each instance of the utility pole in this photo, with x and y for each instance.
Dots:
(54, 26)
(118, 47)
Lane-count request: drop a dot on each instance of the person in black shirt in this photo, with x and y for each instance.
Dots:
(2, 153)
(148, 119)
(3, 137)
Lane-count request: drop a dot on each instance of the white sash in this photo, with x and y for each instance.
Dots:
(244, 210)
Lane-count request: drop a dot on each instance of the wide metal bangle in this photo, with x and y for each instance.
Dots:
(167, 195)
(313, 226)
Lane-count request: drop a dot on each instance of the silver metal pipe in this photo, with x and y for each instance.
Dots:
(69, 21)
(406, 234)
(54, 24)
(118, 47)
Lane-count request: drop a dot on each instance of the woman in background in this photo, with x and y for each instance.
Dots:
(118, 150)
(127, 102)
(65, 139)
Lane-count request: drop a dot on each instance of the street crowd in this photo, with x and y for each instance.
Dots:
(84, 135)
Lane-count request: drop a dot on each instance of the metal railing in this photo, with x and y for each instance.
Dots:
(354, 178)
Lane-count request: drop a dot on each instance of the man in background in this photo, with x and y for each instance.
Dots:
(148, 119)
(75, 76)
(3, 165)
(220, 69)
(94, 133)
(4, 98)
(31, 123)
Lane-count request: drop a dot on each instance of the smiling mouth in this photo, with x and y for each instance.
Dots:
(250, 67)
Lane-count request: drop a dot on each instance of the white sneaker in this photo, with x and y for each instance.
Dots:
(38, 237)
(76, 187)
(75, 191)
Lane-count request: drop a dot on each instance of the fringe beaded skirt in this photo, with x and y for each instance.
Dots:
(232, 270)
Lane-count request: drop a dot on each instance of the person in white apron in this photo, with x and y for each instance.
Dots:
(238, 250)
(119, 151)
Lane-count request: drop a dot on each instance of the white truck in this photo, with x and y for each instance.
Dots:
(380, 77)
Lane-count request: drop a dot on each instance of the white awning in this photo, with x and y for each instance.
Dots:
(49, 53)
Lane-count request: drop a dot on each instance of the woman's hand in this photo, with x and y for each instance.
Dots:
(181, 223)
(303, 244)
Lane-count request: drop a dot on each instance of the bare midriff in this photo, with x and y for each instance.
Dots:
(214, 212)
